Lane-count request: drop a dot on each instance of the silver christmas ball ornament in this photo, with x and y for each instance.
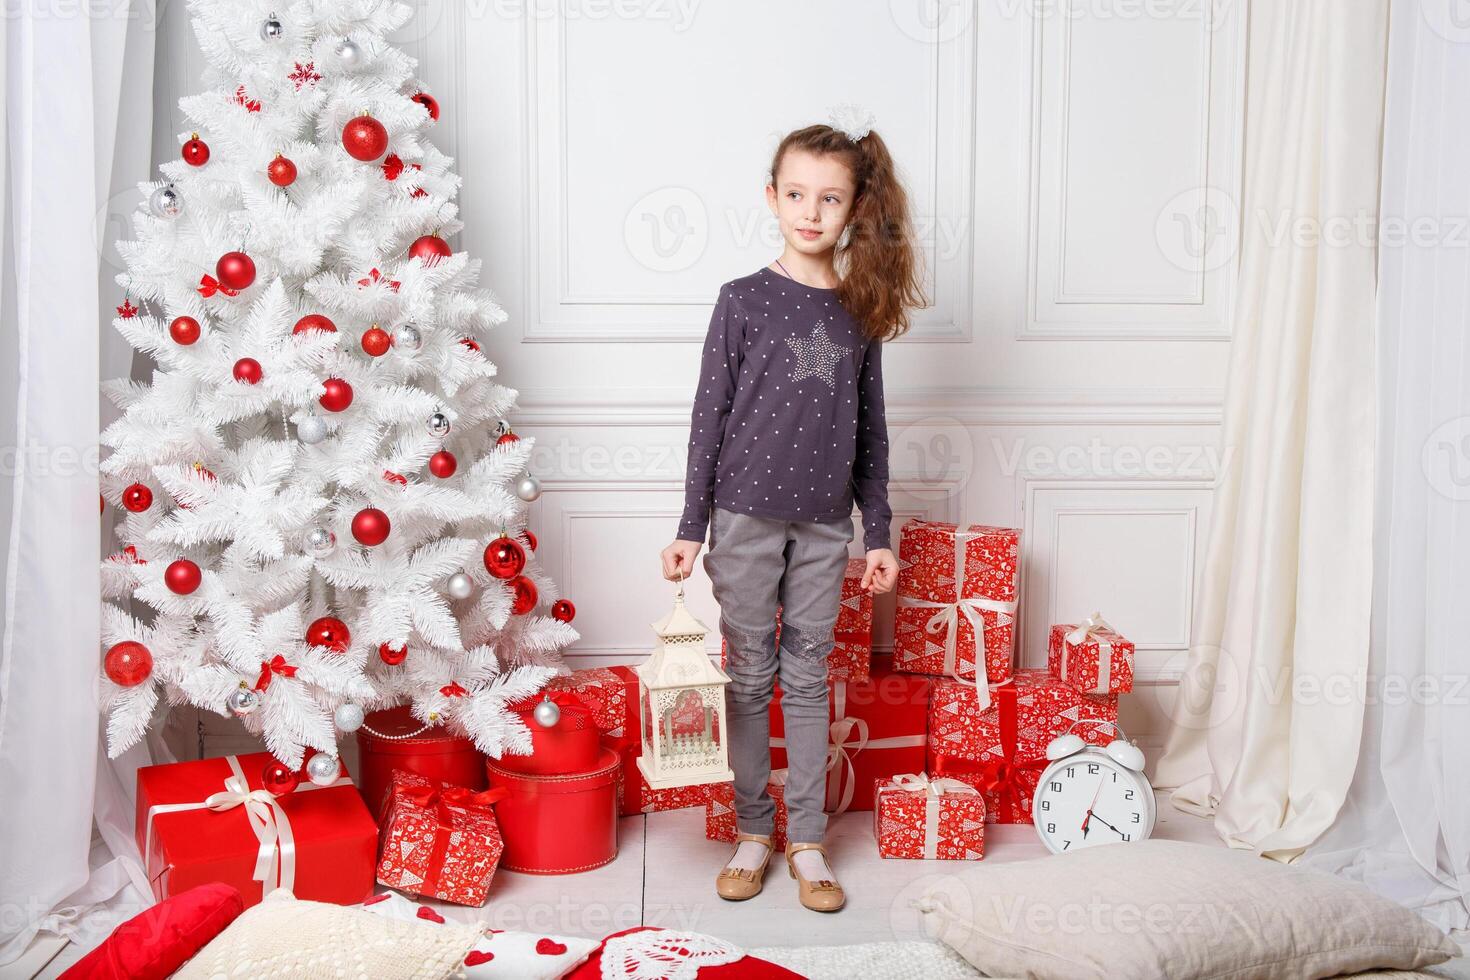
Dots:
(349, 55)
(311, 430)
(166, 202)
(461, 586)
(528, 488)
(323, 769)
(242, 701)
(320, 541)
(271, 29)
(438, 424)
(407, 339)
(349, 717)
(547, 713)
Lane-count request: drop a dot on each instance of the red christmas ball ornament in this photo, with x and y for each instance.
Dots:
(278, 779)
(128, 664)
(507, 438)
(329, 632)
(504, 558)
(184, 330)
(370, 526)
(530, 537)
(313, 321)
(525, 599)
(235, 270)
(430, 104)
(195, 151)
(443, 464)
(281, 171)
(429, 249)
(364, 138)
(336, 395)
(563, 610)
(137, 498)
(182, 577)
(248, 371)
(376, 341)
(392, 656)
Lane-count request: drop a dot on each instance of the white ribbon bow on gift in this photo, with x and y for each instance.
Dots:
(918, 782)
(1095, 628)
(947, 618)
(275, 859)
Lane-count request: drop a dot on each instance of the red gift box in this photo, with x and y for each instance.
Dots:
(601, 689)
(719, 811)
(929, 819)
(394, 739)
(571, 745)
(558, 824)
(878, 729)
(852, 647)
(1002, 749)
(210, 820)
(1092, 657)
(957, 594)
(439, 841)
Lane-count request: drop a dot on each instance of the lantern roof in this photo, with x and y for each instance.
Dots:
(679, 622)
(677, 664)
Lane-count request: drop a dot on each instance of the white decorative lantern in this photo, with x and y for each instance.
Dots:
(682, 697)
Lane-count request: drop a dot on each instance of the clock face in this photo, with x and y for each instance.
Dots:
(1089, 799)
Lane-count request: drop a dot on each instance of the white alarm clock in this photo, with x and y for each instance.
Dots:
(1092, 794)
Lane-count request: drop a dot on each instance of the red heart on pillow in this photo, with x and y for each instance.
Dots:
(477, 957)
(549, 947)
(427, 913)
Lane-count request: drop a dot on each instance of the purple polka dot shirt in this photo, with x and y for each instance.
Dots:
(788, 420)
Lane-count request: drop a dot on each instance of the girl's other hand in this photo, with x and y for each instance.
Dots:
(881, 575)
(679, 558)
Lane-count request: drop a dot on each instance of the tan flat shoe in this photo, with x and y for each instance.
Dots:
(738, 884)
(823, 895)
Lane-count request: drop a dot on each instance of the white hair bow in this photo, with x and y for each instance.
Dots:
(852, 121)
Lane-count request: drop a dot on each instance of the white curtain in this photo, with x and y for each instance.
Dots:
(1267, 718)
(1405, 830)
(77, 104)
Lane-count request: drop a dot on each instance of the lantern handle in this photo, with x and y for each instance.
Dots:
(680, 593)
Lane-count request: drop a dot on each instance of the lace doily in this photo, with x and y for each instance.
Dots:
(655, 954)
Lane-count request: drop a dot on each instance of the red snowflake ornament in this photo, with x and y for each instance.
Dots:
(127, 311)
(305, 75)
(375, 277)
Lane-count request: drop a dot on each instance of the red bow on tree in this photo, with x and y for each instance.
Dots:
(209, 285)
(275, 665)
(397, 478)
(374, 277)
(453, 690)
(128, 556)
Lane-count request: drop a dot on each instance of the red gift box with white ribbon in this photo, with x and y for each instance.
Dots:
(957, 594)
(439, 841)
(917, 817)
(1092, 657)
(210, 820)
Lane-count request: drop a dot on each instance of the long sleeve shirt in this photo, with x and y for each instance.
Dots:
(788, 420)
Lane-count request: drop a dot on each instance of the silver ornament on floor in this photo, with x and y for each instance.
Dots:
(528, 488)
(547, 713)
(407, 339)
(242, 701)
(323, 769)
(166, 202)
(349, 55)
(461, 586)
(320, 541)
(348, 717)
(438, 424)
(311, 430)
(271, 29)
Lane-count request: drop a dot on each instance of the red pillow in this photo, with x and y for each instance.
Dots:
(748, 968)
(156, 942)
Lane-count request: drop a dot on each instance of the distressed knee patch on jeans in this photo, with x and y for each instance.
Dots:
(806, 642)
(751, 659)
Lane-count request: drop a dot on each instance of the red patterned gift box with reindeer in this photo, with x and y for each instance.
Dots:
(439, 841)
(1092, 657)
(602, 689)
(957, 595)
(1001, 747)
(921, 818)
(719, 810)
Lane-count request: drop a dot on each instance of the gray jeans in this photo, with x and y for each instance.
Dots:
(753, 563)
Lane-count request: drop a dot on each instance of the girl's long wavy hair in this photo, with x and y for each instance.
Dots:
(876, 258)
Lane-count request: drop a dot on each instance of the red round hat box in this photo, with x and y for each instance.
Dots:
(557, 825)
(572, 745)
(393, 739)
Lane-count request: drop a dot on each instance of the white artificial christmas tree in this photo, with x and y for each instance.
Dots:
(319, 479)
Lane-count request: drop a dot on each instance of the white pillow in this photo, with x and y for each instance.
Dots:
(496, 954)
(1161, 908)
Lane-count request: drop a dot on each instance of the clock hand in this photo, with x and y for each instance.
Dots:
(1110, 827)
(1088, 819)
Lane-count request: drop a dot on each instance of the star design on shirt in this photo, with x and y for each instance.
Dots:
(817, 355)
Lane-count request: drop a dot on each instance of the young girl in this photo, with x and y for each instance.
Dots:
(787, 431)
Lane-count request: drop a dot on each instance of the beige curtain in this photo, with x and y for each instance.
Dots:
(1269, 714)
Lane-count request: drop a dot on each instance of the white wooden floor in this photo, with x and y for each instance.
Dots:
(664, 876)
